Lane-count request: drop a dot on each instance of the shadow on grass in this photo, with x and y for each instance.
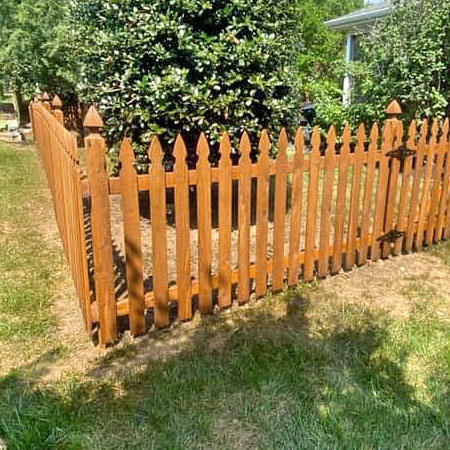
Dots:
(281, 374)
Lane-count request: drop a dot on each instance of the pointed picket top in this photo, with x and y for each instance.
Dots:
(444, 133)
(387, 137)
(126, 151)
(225, 150)
(282, 144)
(56, 103)
(424, 131)
(331, 141)
(202, 150)
(92, 120)
(394, 108)
(180, 152)
(245, 146)
(315, 141)
(434, 128)
(299, 145)
(374, 134)
(45, 96)
(155, 152)
(346, 137)
(412, 130)
(264, 145)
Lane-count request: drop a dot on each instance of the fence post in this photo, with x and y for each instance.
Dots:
(57, 113)
(46, 100)
(101, 228)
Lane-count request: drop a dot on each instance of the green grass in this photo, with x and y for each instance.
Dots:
(300, 370)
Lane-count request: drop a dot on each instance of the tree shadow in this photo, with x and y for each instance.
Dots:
(278, 375)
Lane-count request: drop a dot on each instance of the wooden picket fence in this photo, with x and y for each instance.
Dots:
(330, 206)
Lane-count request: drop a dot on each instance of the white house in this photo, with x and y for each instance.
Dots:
(357, 23)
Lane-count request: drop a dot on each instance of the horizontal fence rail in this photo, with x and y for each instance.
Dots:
(165, 244)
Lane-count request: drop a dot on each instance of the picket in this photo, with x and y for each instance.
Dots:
(411, 228)
(424, 204)
(159, 234)
(327, 196)
(310, 239)
(368, 194)
(341, 201)
(354, 200)
(445, 183)
(204, 226)
(262, 215)
(380, 206)
(132, 232)
(225, 203)
(397, 136)
(279, 213)
(296, 208)
(406, 176)
(182, 225)
(244, 220)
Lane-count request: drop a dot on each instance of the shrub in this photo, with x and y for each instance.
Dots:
(166, 66)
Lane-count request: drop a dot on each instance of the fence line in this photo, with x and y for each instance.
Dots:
(59, 155)
(314, 213)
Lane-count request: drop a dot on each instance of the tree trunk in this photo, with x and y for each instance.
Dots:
(20, 109)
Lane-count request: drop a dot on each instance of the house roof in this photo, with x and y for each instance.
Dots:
(361, 17)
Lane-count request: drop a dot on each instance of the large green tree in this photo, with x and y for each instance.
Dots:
(35, 50)
(407, 56)
(189, 65)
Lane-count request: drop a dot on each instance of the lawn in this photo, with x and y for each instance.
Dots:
(358, 361)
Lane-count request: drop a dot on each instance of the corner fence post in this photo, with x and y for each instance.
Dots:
(46, 100)
(57, 113)
(101, 228)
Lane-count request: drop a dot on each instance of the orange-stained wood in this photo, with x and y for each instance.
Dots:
(424, 201)
(311, 219)
(296, 208)
(341, 201)
(354, 199)
(380, 205)
(225, 202)
(244, 220)
(397, 128)
(445, 184)
(436, 191)
(204, 226)
(101, 238)
(183, 261)
(159, 233)
(327, 196)
(279, 213)
(262, 215)
(132, 232)
(406, 182)
(416, 187)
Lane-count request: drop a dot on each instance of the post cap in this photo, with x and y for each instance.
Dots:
(394, 108)
(93, 119)
(45, 96)
(56, 103)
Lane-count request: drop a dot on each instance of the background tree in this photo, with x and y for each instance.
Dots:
(407, 56)
(35, 51)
